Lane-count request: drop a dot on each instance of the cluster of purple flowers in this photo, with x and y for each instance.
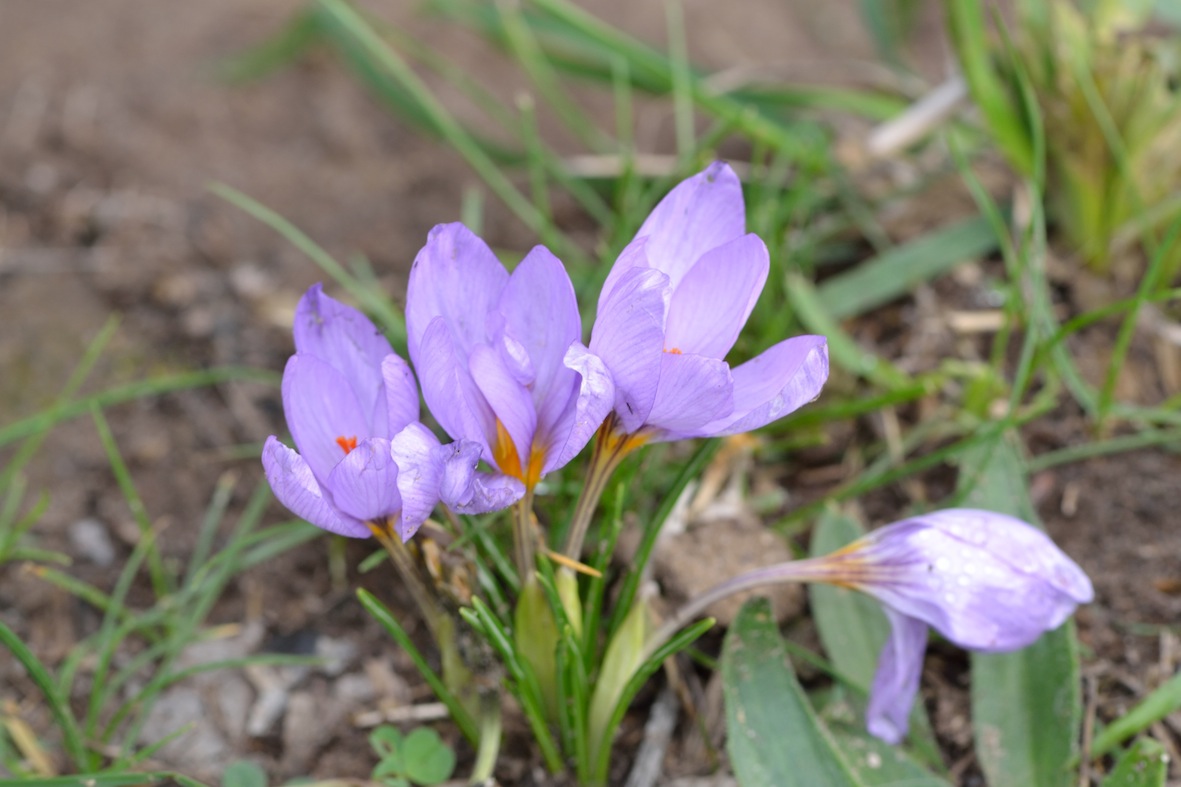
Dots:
(504, 371)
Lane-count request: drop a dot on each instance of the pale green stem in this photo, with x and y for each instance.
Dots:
(611, 448)
(490, 729)
(523, 536)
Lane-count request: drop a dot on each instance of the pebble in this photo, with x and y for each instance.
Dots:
(91, 540)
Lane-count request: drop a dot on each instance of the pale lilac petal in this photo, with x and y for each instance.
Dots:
(449, 390)
(985, 581)
(456, 277)
(594, 399)
(701, 213)
(295, 486)
(509, 401)
(629, 337)
(716, 296)
(634, 255)
(541, 316)
(693, 391)
(774, 383)
(320, 406)
(348, 341)
(466, 491)
(365, 483)
(896, 681)
(420, 472)
(401, 392)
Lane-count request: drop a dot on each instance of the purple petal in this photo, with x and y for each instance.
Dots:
(594, 399)
(401, 392)
(693, 391)
(365, 483)
(634, 255)
(456, 277)
(469, 492)
(449, 390)
(541, 315)
(629, 337)
(716, 296)
(348, 341)
(321, 408)
(420, 472)
(510, 402)
(774, 383)
(896, 681)
(296, 487)
(700, 214)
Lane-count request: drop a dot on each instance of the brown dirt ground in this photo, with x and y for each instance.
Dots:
(111, 125)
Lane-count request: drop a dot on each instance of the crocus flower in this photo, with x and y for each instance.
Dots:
(352, 408)
(983, 580)
(671, 309)
(499, 355)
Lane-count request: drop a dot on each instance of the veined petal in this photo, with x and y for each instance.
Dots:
(541, 314)
(715, 298)
(985, 581)
(322, 412)
(701, 213)
(693, 391)
(456, 277)
(365, 483)
(511, 405)
(401, 392)
(449, 390)
(295, 486)
(629, 337)
(420, 473)
(896, 681)
(347, 340)
(774, 383)
(593, 401)
(634, 255)
(467, 491)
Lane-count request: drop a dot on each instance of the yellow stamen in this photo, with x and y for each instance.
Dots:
(572, 564)
(504, 453)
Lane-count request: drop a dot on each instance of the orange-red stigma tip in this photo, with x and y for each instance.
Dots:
(347, 443)
(673, 351)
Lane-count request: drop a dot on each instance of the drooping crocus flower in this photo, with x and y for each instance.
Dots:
(352, 408)
(500, 357)
(985, 581)
(671, 309)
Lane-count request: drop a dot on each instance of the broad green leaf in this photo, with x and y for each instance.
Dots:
(244, 773)
(852, 626)
(427, 758)
(1144, 765)
(1026, 708)
(774, 738)
(896, 272)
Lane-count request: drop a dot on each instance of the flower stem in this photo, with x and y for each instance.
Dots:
(523, 536)
(824, 569)
(611, 448)
(403, 562)
(490, 730)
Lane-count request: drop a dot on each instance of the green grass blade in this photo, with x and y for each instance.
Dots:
(1165, 699)
(1145, 764)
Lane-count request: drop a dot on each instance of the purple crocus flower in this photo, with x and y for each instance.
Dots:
(499, 355)
(985, 581)
(352, 408)
(672, 308)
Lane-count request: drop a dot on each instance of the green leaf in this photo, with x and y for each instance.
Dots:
(774, 738)
(244, 773)
(877, 763)
(1145, 764)
(852, 626)
(1165, 699)
(428, 759)
(385, 741)
(1026, 708)
(896, 272)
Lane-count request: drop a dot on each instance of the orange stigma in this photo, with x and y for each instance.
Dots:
(347, 443)
(673, 351)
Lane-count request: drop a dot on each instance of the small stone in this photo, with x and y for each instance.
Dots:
(91, 540)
